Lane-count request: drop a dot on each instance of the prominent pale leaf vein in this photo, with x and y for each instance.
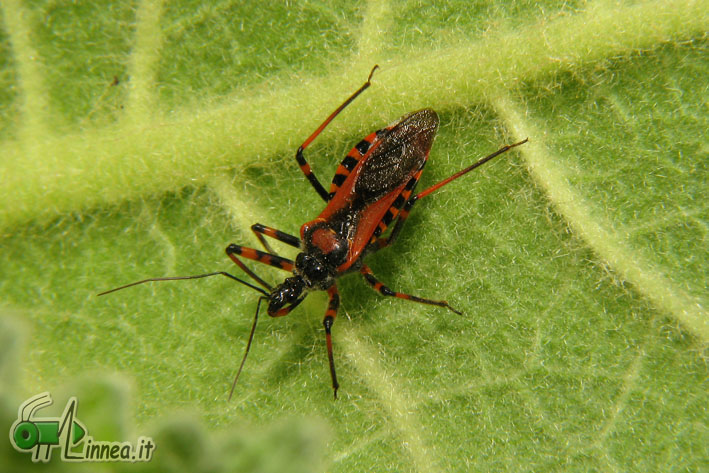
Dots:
(599, 234)
(398, 404)
(34, 105)
(144, 59)
(189, 145)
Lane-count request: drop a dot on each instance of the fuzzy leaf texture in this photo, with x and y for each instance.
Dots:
(139, 139)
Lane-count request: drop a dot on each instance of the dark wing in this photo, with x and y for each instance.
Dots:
(398, 155)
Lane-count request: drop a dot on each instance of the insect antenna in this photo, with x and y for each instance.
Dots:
(196, 276)
(248, 346)
(199, 276)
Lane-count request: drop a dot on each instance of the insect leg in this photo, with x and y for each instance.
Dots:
(469, 168)
(304, 166)
(380, 243)
(400, 211)
(260, 230)
(383, 242)
(327, 322)
(385, 291)
(236, 251)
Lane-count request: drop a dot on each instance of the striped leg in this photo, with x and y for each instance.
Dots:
(482, 161)
(383, 242)
(236, 251)
(304, 166)
(399, 210)
(385, 291)
(380, 243)
(260, 230)
(327, 323)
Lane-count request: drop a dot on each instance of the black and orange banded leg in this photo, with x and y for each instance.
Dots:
(400, 215)
(304, 166)
(236, 251)
(385, 291)
(462, 172)
(383, 242)
(261, 230)
(327, 322)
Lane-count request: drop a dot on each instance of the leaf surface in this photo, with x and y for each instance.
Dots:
(139, 140)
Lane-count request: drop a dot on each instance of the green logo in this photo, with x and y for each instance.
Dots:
(41, 435)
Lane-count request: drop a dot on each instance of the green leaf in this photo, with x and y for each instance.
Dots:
(139, 140)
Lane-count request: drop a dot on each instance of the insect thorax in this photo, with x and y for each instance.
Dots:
(324, 250)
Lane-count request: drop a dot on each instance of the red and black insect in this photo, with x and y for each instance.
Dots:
(372, 188)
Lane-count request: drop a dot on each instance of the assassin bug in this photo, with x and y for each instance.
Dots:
(372, 187)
